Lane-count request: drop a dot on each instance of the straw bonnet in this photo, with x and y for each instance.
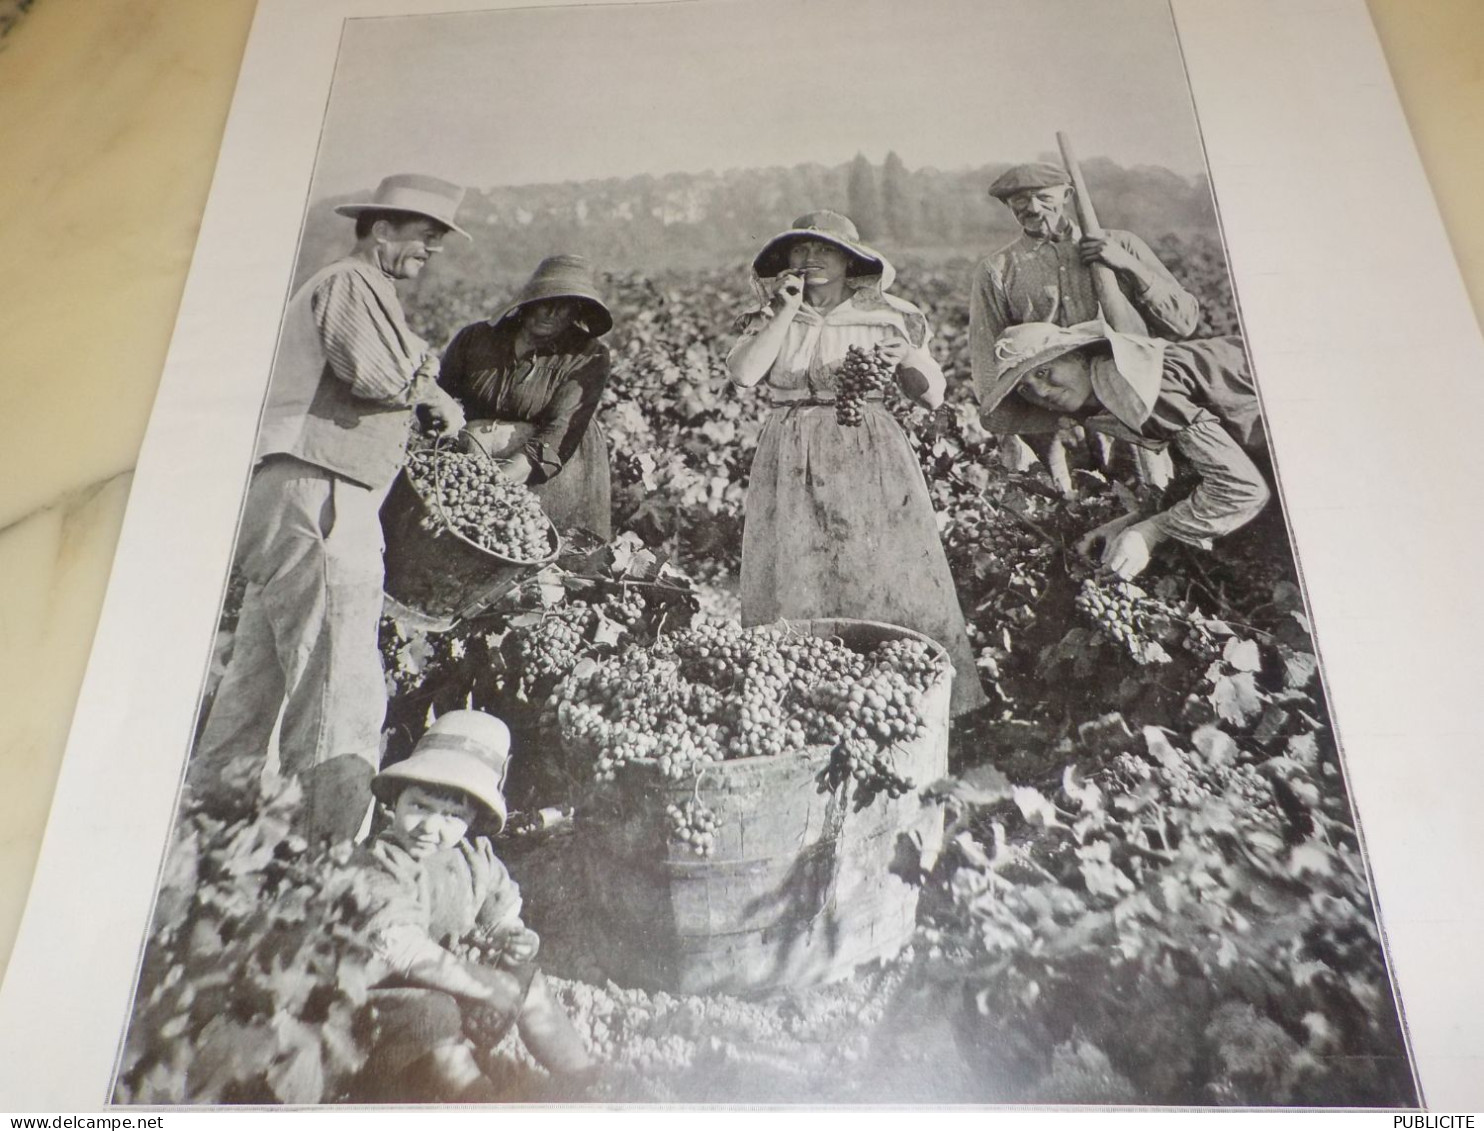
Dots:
(564, 276)
(1127, 384)
(464, 750)
(412, 192)
(832, 228)
(1022, 178)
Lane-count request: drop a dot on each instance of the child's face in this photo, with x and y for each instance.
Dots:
(426, 821)
(1062, 385)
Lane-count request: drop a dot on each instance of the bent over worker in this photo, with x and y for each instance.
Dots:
(347, 378)
(1198, 397)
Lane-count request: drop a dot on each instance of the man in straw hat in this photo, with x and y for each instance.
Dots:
(1045, 276)
(1195, 396)
(433, 884)
(347, 379)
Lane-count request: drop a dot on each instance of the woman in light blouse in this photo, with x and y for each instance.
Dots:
(838, 519)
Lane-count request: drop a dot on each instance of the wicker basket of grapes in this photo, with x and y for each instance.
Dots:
(754, 820)
(458, 537)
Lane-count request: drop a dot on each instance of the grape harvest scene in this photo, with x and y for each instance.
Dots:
(1137, 880)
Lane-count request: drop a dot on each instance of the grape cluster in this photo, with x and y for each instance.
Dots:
(717, 692)
(479, 948)
(1129, 616)
(869, 767)
(861, 373)
(692, 825)
(544, 653)
(473, 500)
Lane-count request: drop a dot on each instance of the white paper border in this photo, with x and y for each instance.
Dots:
(1370, 365)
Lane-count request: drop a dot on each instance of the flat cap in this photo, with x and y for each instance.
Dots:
(1019, 178)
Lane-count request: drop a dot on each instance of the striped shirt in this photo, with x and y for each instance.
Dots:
(365, 335)
(344, 378)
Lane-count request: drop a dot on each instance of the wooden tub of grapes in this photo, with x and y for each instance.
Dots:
(458, 537)
(755, 821)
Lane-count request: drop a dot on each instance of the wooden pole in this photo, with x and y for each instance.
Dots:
(1154, 468)
(1117, 310)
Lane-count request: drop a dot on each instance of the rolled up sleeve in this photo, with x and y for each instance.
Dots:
(1170, 310)
(1230, 494)
(561, 425)
(366, 342)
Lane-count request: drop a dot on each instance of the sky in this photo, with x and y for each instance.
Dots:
(541, 95)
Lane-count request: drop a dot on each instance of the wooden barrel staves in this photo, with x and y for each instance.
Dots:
(434, 575)
(803, 885)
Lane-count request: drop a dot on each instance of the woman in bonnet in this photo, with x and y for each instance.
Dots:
(530, 380)
(838, 519)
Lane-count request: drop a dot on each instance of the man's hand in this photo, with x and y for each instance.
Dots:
(446, 415)
(1128, 544)
(1110, 253)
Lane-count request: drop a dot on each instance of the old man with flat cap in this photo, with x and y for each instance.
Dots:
(347, 380)
(1045, 276)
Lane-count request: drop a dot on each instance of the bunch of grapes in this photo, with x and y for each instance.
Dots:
(861, 373)
(869, 767)
(692, 825)
(472, 498)
(480, 948)
(1129, 616)
(544, 653)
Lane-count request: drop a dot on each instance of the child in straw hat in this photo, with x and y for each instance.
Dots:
(431, 887)
(1196, 396)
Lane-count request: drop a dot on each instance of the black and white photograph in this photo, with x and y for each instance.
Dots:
(764, 578)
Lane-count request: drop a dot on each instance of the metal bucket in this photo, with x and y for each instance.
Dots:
(801, 888)
(434, 575)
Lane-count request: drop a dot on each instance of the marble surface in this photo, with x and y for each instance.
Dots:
(112, 114)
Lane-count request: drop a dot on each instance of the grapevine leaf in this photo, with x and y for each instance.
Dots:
(982, 785)
(1304, 749)
(298, 1077)
(1159, 746)
(1310, 858)
(1217, 747)
(1298, 668)
(1236, 697)
(1035, 807)
(1242, 655)
(606, 631)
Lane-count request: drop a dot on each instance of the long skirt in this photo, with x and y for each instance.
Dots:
(581, 494)
(839, 524)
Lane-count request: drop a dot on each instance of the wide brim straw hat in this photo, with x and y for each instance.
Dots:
(831, 227)
(464, 750)
(569, 277)
(1128, 387)
(415, 194)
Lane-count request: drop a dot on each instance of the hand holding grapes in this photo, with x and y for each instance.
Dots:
(894, 350)
(1127, 542)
